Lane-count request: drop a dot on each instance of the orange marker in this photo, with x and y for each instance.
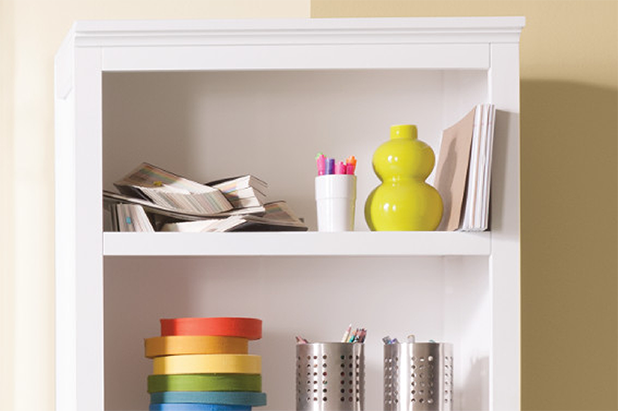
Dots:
(350, 165)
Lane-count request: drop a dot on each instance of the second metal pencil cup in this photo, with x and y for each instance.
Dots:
(330, 377)
(418, 376)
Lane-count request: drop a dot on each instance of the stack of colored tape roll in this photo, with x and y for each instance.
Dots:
(203, 364)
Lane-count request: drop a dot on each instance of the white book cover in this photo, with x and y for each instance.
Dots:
(466, 223)
(487, 171)
(480, 172)
(477, 191)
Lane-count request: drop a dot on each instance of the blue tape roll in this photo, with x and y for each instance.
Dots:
(198, 407)
(254, 399)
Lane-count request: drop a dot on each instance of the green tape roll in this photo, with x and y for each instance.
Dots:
(205, 382)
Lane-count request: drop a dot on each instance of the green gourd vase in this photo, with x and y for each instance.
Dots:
(403, 201)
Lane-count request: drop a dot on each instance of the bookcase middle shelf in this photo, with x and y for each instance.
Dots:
(298, 244)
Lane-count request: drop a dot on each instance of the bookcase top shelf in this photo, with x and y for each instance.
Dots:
(298, 244)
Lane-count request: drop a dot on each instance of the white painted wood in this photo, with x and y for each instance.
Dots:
(79, 270)
(504, 262)
(295, 57)
(63, 68)
(467, 323)
(256, 32)
(286, 86)
(89, 260)
(301, 244)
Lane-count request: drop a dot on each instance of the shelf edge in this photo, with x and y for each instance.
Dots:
(298, 244)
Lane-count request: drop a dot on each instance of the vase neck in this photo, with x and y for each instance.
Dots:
(404, 131)
(402, 178)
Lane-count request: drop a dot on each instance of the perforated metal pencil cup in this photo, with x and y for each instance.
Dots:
(330, 377)
(418, 376)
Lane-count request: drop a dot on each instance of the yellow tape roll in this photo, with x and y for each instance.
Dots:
(195, 344)
(208, 364)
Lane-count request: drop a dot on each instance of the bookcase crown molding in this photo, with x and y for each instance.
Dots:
(297, 31)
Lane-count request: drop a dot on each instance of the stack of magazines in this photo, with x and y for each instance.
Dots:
(152, 199)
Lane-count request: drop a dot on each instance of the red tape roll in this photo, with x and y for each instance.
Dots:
(250, 328)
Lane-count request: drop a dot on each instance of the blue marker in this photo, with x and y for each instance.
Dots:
(330, 166)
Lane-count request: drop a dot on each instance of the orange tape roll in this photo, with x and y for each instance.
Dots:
(250, 328)
(194, 344)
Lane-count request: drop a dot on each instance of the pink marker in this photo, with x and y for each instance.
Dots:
(340, 168)
(321, 163)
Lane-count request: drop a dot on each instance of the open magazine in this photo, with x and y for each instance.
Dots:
(128, 214)
(152, 199)
(172, 192)
(109, 197)
(278, 217)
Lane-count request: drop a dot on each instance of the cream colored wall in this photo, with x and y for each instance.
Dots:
(30, 33)
(7, 278)
(569, 130)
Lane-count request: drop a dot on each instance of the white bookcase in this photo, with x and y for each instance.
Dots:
(209, 99)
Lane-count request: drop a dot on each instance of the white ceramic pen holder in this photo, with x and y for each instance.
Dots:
(418, 377)
(330, 377)
(335, 196)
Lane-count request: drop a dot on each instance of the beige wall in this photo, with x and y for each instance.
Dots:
(569, 181)
(30, 33)
(569, 130)
(6, 207)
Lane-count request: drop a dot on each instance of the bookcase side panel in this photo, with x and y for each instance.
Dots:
(88, 275)
(505, 266)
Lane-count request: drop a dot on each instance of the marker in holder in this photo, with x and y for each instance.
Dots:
(330, 377)
(418, 376)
